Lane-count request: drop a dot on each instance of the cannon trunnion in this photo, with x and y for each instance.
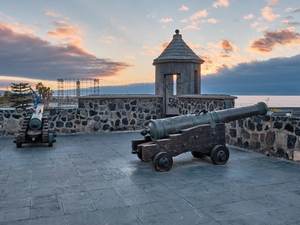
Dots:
(201, 133)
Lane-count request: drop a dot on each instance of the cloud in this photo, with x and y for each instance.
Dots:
(273, 2)
(24, 55)
(163, 46)
(67, 33)
(218, 55)
(148, 51)
(52, 14)
(18, 27)
(270, 40)
(293, 10)
(289, 17)
(255, 24)
(211, 20)
(199, 14)
(166, 20)
(152, 15)
(249, 16)
(256, 78)
(227, 46)
(4, 16)
(267, 13)
(258, 27)
(220, 3)
(108, 39)
(193, 26)
(193, 19)
(290, 23)
(183, 8)
(138, 88)
(224, 56)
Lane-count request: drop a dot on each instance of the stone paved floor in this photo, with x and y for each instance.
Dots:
(94, 179)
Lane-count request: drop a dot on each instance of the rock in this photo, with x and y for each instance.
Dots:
(296, 156)
(251, 125)
(270, 138)
(291, 140)
(11, 126)
(280, 152)
(277, 125)
(297, 131)
(289, 128)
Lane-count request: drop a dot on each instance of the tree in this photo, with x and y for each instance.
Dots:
(20, 95)
(5, 99)
(45, 92)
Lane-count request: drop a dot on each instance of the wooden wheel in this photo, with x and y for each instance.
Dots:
(219, 155)
(50, 139)
(18, 141)
(162, 162)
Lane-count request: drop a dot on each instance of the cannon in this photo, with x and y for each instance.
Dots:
(202, 133)
(35, 128)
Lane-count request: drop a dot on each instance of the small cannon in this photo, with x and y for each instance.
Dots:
(202, 133)
(35, 128)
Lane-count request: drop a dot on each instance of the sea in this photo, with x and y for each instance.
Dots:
(282, 101)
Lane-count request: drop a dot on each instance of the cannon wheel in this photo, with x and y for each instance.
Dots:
(162, 162)
(198, 154)
(18, 141)
(219, 155)
(50, 139)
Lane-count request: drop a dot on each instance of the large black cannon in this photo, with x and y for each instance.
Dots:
(35, 128)
(202, 133)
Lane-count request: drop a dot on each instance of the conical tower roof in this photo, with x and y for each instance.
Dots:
(178, 51)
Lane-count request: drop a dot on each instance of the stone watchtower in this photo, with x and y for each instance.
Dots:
(177, 72)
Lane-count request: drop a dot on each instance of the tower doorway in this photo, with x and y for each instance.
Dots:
(172, 89)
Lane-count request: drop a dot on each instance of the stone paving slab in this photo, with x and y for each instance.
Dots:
(94, 179)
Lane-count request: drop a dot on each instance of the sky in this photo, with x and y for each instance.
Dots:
(249, 47)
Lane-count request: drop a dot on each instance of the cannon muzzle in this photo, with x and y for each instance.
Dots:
(161, 128)
(36, 122)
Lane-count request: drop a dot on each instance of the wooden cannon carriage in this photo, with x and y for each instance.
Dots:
(202, 134)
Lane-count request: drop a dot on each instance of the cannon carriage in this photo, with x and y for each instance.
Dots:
(35, 128)
(201, 133)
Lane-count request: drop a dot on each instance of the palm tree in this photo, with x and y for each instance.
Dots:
(45, 93)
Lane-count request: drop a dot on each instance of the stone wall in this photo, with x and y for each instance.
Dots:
(111, 113)
(116, 113)
(94, 114)
(270, 135)
(189, 103)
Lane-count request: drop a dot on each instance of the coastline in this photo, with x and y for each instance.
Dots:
(270, 100)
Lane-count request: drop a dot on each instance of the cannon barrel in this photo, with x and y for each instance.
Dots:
(161, 128)
(35, 122)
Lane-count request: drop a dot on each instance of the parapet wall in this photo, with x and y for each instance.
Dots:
(189, 103)
(111, 113)
(272, 136)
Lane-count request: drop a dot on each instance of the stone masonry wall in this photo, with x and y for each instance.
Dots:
(189, 103)
(272, 136)
(116, 113)
(110, 113)
(92, 115)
